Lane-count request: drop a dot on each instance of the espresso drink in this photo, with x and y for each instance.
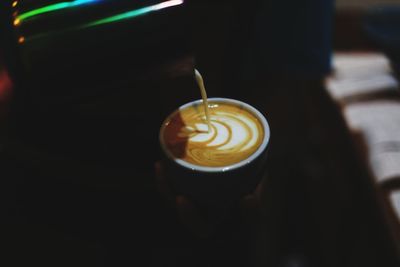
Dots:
(235, 134)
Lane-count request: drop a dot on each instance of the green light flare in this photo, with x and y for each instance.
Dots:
(54, 7)
(134, 13)
(127, 15)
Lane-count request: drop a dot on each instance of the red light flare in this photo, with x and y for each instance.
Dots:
(6, 86)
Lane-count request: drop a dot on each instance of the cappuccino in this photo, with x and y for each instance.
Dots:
(235, 134)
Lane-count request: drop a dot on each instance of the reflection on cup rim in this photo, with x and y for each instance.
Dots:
(238, 165)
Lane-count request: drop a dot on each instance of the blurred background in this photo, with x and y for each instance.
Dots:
(86, 84)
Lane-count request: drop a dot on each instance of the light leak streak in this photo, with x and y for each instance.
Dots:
(122, 16)
(135, 13)
(54, 7)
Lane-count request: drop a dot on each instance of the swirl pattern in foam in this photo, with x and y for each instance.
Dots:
(235, 134)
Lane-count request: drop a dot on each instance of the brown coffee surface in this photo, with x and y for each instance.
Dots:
(235, 135)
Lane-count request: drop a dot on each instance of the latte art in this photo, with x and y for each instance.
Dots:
(235, 134)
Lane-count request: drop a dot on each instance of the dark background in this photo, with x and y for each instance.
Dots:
(79, 138)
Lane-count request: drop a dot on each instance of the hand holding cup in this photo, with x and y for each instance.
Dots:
(214, 168)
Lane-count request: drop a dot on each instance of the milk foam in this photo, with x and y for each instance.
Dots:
(234, 135)
(228, 132)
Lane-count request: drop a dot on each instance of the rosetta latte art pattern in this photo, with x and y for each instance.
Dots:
(234, 135)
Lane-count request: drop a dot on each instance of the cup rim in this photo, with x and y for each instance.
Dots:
(227, 168)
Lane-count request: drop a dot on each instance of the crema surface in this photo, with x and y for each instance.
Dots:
(235, 134)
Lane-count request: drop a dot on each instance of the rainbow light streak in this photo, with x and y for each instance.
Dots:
(135, 13)
(54, 7)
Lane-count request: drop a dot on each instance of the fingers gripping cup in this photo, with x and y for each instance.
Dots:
(214, 165)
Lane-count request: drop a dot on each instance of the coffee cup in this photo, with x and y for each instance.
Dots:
(216, 166)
